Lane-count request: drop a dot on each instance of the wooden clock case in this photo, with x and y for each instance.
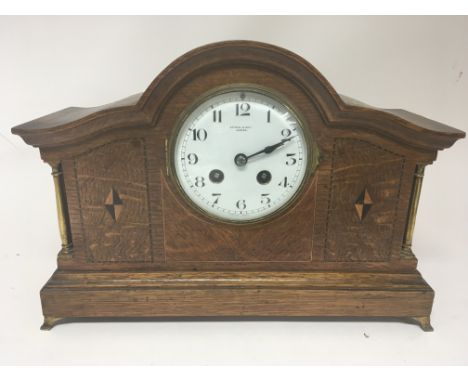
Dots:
(133, 247)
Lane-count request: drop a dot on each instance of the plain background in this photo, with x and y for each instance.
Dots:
(49, 63)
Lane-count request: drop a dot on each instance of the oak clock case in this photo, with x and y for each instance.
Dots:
(138, 242)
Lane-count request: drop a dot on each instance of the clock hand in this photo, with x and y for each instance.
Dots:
(270, 149)
(242, 159)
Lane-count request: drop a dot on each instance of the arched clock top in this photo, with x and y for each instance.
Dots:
(142, 111)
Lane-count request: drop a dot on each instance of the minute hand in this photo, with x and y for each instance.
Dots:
(270, 149)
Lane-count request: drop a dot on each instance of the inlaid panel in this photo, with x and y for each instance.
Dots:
(113, 195)
(365, 191)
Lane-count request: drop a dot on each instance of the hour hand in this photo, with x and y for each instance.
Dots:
(242, 159)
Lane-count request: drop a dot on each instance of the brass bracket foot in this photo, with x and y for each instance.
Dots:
(50, 322)
(424, 322)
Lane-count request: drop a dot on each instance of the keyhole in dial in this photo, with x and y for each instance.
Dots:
(264, 177)
(216, 176)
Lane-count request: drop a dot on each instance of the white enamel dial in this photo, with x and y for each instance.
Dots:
(240, 155)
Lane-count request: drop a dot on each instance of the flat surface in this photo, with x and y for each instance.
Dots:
(411, 63)
(252, 280)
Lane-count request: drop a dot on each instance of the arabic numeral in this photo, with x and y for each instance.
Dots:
(285, 133)
(242, 109)
(216, 196)
(265, 199)
(217, 116)
(199, 135)
(241, 204)
(291, 161)
(284, 183)
(192, 158)
(200, 181)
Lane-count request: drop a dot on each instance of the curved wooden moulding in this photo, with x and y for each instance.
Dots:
(140, 111)
(129, 239)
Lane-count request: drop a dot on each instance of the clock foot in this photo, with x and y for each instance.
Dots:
(424, 322)
(50, 322)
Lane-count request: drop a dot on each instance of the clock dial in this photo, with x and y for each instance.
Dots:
(241, 155)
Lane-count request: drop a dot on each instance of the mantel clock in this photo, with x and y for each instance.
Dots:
(238, 184)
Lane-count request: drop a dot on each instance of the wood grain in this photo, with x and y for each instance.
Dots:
(236, 294)
(359, 166)
(118, 166)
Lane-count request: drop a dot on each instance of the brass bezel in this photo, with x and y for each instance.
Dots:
(313, 153)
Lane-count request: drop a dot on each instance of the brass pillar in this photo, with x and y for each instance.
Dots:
(413, 208)
(63, 221)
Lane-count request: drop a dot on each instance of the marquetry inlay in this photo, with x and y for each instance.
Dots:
(363, 204)
(114, 204)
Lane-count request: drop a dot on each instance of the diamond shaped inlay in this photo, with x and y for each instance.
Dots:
(363, 204)
(114, 204)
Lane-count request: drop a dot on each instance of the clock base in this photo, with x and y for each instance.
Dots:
(74, 296)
